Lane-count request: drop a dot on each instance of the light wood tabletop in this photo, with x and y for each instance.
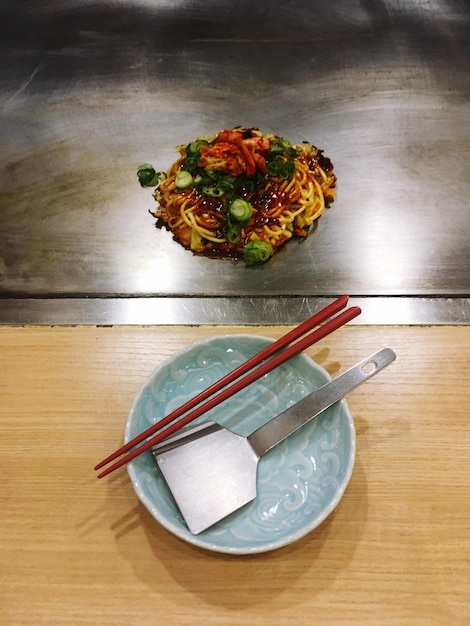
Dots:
(77, 550)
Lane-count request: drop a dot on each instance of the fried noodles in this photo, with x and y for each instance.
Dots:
(279, 191)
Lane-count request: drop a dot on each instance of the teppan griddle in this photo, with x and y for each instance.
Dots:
(89, 90)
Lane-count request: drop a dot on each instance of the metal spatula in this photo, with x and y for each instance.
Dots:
(211, 471)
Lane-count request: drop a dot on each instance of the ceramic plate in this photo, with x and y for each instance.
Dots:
(299, 482)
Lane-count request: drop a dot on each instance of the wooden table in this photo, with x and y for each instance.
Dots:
(75, 550)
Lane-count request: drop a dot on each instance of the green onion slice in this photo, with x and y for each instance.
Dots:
(240, 210)
(213, 192)
(194, 147)
(183, 179)
(147, 175)
(257, 251)
(233, 233)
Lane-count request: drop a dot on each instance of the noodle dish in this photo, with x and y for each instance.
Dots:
(241, 194)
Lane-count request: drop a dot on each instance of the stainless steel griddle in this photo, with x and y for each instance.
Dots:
(91, 89)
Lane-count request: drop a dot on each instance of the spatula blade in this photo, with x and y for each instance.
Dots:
(210, 477)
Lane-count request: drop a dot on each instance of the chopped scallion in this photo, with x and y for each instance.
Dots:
(257, 251)
(147, 175)
(232, 234)
(240, 210)
(281, 167)
(194, 147)
(213, 192)
(183, 179)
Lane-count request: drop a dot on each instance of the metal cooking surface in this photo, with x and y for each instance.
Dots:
(89, 90)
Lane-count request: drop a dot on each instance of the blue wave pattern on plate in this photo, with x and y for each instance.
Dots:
(300, 481)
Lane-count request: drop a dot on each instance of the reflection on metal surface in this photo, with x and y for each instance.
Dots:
(88, 90)
(251, 311)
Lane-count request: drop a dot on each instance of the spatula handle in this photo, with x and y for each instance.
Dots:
(290, 420)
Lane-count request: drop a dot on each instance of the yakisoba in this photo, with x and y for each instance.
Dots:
(241, 194)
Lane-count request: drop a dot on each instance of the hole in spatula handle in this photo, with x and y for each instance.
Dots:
(369, 367)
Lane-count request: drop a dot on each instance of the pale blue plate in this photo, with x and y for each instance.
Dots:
(300, 481)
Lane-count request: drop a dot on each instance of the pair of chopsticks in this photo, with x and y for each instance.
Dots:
(257, 366)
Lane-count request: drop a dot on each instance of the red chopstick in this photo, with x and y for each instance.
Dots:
(239, 371)
(241, 383)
